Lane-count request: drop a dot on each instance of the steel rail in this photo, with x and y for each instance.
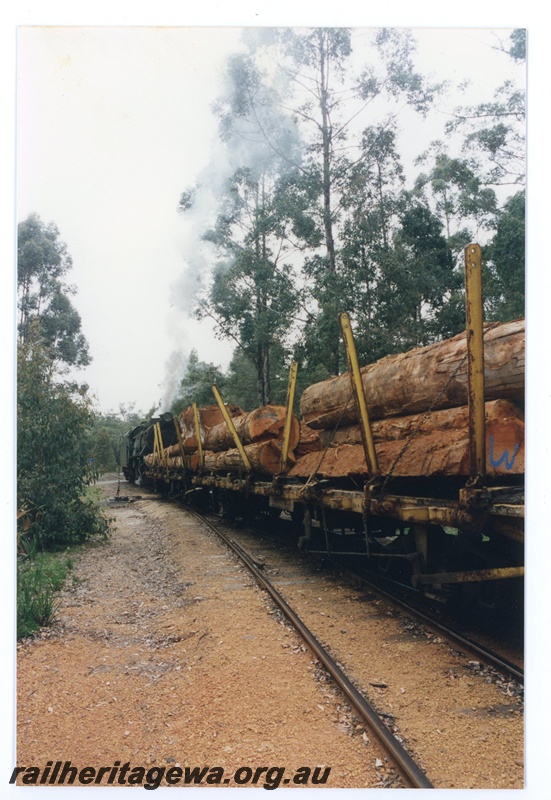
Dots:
(490, 658)
(409, 770)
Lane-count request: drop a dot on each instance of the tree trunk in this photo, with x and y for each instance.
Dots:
(441, 453)
(261, 424)
(309, 441)
(418, 424)
(428, 377)
(209, 416)
(327, 180)
(264, 457)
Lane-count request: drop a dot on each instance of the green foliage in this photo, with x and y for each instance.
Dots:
(517, 47)
(504, 284)
(252, 298)
(53, 446)
(425, 303)
(61, 330)
(460, 199)
(39, 577)
(352, 201)
(241, 379)
(196, 384)
(241, 382)
(494, 131)
(107, 435)
(317, 219)
(392, 72)
(43, 299)
(105, 451)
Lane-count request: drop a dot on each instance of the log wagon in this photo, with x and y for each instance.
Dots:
(414, 462)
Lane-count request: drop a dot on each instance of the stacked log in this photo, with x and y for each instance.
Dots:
(411, 440)
(260, 431)
(262, 424)
(427, 450)
(264, 457)
(417, 403)
(166, 461)
(393, 428)
(209, 417)
(433, 377)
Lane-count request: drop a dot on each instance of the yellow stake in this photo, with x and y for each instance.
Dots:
(475, 349)
(156, 456)
(160, 445)
(231, 426)
(289, 414)
(359, 394)
(198, 436)
(180, 442)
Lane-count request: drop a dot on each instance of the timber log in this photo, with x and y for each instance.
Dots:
(425, 378)
(439, 453)
(417, 424)
(262, 424)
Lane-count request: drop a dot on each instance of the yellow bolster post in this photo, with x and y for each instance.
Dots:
(475, 357)
(289, 414)
(231, 427)
(198, 436)
(180, 442)
(359, 394)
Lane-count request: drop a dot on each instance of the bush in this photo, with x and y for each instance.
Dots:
(53, 441)
(39, 577)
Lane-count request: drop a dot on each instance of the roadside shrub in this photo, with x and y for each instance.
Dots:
(39, 578)
(53, 441)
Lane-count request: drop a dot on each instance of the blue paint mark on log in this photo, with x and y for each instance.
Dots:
(504, 458)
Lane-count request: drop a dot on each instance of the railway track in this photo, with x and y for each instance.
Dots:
(450, 632)
(486, 666)
(412, 774)
(380, 647)
(455, 637)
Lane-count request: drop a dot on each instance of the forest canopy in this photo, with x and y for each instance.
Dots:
(317, 214)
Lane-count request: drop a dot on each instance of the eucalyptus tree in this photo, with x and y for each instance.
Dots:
(259, 215)
(303, 124)
(372, 205)
(471, 192)
(54, 445)
(42, 261)
(195, 385)
(461, 200)
(43, 298)
(494, 131)
(504, 257)
(252, 298)
(321, 87)
(424, 296)
(241, 384)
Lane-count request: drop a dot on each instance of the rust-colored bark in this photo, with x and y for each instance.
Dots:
(309, 441)
(209, 416)
(440, 453)
(419, 424)
(267, 422)
(428, 377)
(264, 457)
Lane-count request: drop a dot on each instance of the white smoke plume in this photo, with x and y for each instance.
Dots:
(199, 256)
(175, 368)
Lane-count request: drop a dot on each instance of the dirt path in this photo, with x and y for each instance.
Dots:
(166, 654)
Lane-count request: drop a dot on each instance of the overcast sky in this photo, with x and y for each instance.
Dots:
(113, 124)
